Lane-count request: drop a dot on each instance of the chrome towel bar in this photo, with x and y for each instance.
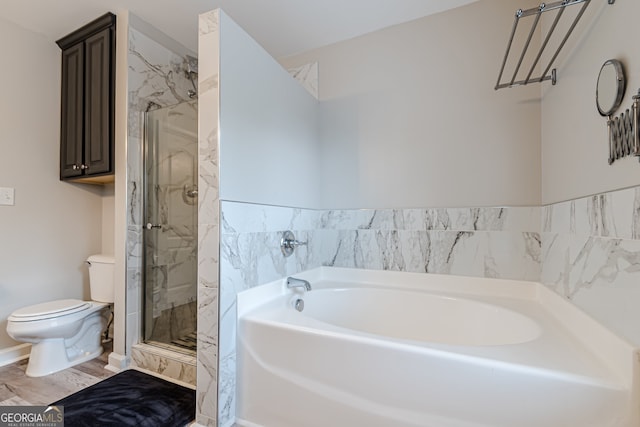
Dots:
(549, 73)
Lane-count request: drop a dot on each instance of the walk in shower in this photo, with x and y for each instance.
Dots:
(171, 226)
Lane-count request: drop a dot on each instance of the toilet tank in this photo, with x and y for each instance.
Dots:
(101, 277)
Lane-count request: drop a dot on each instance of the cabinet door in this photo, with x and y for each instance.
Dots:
(98, 114)
(71, 130)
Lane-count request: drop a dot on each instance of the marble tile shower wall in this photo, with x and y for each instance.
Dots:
(591, 255)
(155, 75)
(486, 242)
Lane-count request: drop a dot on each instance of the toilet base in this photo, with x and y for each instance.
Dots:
(41, 363)
(55, 354)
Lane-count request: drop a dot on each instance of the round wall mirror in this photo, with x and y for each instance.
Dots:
(610, 88)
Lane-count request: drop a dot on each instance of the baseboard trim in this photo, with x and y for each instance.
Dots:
(117, 362)
(14, 354)
(242, 423)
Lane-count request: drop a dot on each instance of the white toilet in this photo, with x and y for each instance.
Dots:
(66, 332)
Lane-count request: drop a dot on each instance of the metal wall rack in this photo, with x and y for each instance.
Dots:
(624, 132)
(536, 13)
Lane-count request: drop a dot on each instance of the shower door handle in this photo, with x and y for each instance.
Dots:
(152, 226)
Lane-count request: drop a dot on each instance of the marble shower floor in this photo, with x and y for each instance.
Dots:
(18, 389)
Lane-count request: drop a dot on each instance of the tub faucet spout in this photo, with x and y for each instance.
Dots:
(292, 282)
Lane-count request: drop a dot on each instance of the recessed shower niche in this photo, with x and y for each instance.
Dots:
(170, 226)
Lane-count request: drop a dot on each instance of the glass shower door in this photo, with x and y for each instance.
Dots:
(170, 234)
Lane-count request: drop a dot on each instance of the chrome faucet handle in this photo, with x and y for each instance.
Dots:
(288, 243)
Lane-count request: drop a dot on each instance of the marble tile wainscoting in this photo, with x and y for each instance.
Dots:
(482, 242)
(591, 255)
(250, 255)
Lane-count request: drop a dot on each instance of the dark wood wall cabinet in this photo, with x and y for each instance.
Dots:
(87, 105)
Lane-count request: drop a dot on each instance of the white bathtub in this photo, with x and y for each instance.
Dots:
(384, 349)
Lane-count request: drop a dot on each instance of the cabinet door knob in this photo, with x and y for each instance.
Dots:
(83, 167)
(75, 167)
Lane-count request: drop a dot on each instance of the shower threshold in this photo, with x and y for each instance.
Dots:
(165, 359)
(184, 345)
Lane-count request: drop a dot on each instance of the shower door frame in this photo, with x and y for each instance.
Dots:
(148, 150)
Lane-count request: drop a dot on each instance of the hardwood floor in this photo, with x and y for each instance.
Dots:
(16, 388)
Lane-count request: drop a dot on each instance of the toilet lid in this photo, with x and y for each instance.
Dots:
(45, 310)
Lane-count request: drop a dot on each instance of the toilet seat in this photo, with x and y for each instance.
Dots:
(48, 310)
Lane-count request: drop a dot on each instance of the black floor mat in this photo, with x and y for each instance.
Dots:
(130, 398)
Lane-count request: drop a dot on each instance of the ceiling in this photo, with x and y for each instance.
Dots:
(282, 27)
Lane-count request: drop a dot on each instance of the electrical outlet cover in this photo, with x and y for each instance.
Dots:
(7, 196)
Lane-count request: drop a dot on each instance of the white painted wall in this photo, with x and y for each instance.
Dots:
(108, 219)
(410, 117)
(268, 127)
(574, 135)
(46, 237)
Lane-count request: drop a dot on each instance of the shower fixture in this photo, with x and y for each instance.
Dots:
(191, 72)
(152, 106)
(288, 243)
(190, 194)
